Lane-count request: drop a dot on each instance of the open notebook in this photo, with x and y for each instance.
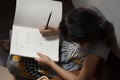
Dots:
(26, 39)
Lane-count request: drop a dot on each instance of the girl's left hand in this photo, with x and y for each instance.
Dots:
(43, 59)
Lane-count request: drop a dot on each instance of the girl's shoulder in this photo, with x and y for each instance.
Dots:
(99, 49)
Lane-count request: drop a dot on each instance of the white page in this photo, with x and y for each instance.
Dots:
(28, 41)
(34, 13)
(31, 14)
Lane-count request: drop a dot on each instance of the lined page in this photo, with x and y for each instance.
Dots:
(28, 41)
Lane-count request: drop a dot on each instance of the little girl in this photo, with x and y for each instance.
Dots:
(90, 36)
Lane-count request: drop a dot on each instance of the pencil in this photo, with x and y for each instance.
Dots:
(48, 20)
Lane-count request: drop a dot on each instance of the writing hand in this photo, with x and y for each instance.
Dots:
(50, 31)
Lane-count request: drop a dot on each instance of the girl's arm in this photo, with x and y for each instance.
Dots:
(89, 67)
(65, 75)
(86, 72)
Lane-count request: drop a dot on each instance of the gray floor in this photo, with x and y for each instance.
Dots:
(5, 75)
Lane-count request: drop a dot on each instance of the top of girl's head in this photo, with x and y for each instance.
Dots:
(82, 24)
(82, 21)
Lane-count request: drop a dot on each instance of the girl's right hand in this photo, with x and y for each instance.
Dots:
(51, 31)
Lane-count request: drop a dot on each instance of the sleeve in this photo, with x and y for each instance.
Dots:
(99, 50)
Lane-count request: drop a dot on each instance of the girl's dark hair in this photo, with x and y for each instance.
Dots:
(86, 25)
